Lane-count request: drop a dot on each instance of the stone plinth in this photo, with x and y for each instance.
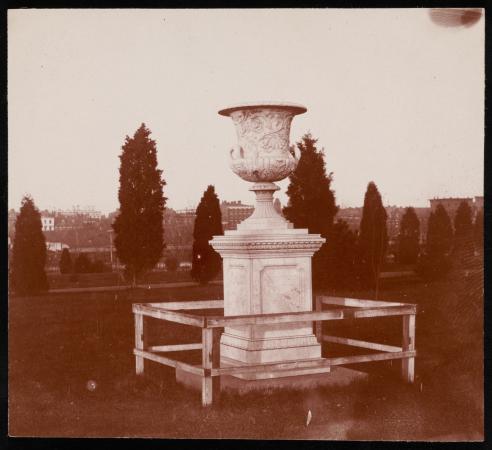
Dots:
(267, 269)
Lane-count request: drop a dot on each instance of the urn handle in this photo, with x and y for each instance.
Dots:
(237, 153)
(297, 153)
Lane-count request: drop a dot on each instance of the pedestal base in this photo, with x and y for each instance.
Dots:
(265, 274)
(262, 351)
(226, 362)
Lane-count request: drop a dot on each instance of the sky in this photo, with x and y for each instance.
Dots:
(392, 96)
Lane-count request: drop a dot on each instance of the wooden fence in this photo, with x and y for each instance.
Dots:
(212, 325)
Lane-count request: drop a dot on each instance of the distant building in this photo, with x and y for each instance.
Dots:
(186, 216)
(48, 223)
(76, 217)
(394, 214)
(56, 246)
(352, 216)
(451, 204)
(88, 214)
(393, 220)
(234, 213)
(178, 233)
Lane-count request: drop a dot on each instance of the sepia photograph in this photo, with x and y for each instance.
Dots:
(246, 223)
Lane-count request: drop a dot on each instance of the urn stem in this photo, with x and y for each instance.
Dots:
(264, 216)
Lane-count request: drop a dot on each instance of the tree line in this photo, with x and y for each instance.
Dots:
(356, 258)
(348, 258)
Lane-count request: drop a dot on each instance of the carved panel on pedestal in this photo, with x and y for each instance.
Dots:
(281, 289)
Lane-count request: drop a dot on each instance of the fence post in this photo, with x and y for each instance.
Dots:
(408, 364)
(318, 325)
(210, 360)
(139, 342)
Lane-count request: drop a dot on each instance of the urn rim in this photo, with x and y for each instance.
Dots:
(295, 108)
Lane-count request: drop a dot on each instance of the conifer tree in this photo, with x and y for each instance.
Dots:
(65, 261)
(311, 202)
(409, 237)
(463, 228)
(172, 263)
(439, 233)
(436, 263)
(341, 253)
(206, 262)
(82, 264)
(373, 238)
(27, 270)
(138, 227)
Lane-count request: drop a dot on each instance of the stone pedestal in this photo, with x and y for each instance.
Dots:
(267, 263)
(267, 269)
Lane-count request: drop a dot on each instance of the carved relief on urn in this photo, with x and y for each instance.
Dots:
(263, 153)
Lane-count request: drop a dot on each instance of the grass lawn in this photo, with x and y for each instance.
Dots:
(71, 373)
(83, 280)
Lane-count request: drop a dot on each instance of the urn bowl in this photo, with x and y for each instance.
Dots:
(263, 153)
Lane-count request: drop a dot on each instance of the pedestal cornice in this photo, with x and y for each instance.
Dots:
(253, 243)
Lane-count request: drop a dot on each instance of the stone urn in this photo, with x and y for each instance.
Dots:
(263, 155)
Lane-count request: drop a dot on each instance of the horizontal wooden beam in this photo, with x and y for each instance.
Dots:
(262, 319)
(356, 359)
(174, 348)
(318, 363)
(171, 316)
(199, 304)
(363, 344)
(275, 318)
(169, 362)
(360, 313)
(329, 314)
(356, 302)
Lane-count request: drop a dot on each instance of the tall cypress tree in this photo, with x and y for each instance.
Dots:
(65, 263)
(435, 263)
(409, 237)
(341, 254)
(27, 274)
(312, 202)
(463, 228)
(82, 264)
(139, 239)
(208, 223)
(439, 233)
(373, 238)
